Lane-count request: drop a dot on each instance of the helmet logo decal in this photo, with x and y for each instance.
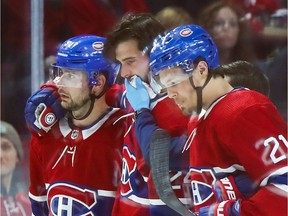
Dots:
(98, 45)
(186, 32)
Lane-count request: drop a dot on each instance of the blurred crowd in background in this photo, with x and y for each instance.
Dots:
(259, 36)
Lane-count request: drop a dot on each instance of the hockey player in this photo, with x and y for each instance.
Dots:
(125, 44)
(75, 166)
(240, 132)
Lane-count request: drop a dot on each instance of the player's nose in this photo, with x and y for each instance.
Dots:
(171, 93)
(125, 72)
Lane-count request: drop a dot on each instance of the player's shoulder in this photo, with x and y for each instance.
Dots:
(116, 112)
(235, 102)
(116, 116)
(244, 94)
(240, 99)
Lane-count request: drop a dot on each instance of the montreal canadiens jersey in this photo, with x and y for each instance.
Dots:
(76, 171)
(241, 132)
(138, 196)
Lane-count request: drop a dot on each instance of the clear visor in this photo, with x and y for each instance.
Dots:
(170, 77)
(67, 77)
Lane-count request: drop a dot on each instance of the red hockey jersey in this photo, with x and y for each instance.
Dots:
(241, 132)
(76, 171)
(137, 193)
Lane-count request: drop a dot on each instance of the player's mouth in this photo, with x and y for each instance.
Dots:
(63, 96)
(178, 103)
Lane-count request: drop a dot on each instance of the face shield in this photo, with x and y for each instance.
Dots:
(171, 76)
(68, 77)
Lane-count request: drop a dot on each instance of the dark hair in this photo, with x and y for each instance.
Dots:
(243, 49)
(246, 74)
(142, 27)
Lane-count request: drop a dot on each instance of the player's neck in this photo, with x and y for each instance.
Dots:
(216, 88)
(99, 108)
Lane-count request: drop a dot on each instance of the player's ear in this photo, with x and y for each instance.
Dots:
(101, 83)
(203, 68)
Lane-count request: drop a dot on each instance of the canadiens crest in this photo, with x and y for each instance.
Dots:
(201, 181)
(186, 32)
(68, 199)
(98, 45)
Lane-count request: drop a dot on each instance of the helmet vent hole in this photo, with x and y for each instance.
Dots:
(210, 42)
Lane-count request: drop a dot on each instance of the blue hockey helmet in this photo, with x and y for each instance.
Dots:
(181, 47)
(85, 53)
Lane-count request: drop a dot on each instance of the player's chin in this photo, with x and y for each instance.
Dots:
(185, 111)
(65, 104)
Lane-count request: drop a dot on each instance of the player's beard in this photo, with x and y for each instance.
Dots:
(75, 104)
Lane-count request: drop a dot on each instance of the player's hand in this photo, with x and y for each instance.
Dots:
(229, 192)
(43, 109)
(137, 93)
(225, 208)
(234, 187)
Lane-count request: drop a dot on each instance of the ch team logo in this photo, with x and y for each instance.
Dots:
(128, 168)
(70, 200)
(201, 181)
(186, 32)
(98, 45)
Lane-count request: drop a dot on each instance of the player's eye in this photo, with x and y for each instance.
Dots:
(130, 62)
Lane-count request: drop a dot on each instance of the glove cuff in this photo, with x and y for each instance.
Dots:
(49, 84)
(138, 112)
(226, 189)
(225, 208)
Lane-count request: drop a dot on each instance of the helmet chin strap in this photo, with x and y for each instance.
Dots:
(92, 99)
(199, 90)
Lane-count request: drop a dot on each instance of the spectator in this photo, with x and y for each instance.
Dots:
(276, 70)
(191, 6)
(231, 33)
(171, 17)
(14, 190)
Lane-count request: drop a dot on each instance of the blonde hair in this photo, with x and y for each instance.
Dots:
(171, 17)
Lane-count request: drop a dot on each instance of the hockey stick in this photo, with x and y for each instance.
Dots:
(159, 160)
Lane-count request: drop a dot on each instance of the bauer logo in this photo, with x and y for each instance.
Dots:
(50, 118)
(98, 45)
(186, 32)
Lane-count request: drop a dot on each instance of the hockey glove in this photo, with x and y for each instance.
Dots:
(225, 208)
(43, 109)
(234, 187)
(137, 93)
(228, 192)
